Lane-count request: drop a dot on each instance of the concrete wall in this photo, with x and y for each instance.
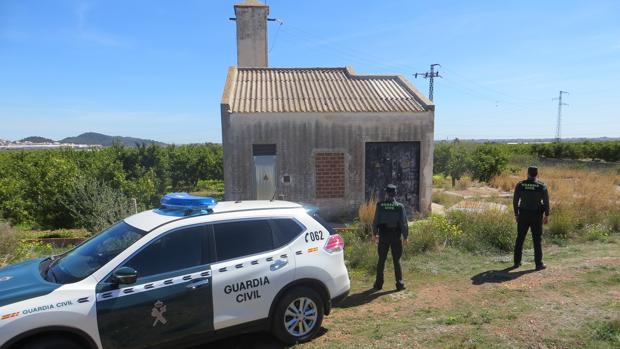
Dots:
(251, 35)
(299, 136)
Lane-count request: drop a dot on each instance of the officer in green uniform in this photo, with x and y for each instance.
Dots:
(530, 202)
(390, 224)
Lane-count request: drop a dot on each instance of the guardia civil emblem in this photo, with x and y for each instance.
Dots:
(158, 311)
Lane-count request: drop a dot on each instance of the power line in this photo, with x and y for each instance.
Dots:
(558, 130)
(275, 40)
(431, 75)
(467, 85)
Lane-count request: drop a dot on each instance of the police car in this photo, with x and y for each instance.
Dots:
(187, 272)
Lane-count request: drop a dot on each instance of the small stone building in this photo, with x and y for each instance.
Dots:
(325, 136)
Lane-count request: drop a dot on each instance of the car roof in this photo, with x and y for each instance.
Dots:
(151, 219)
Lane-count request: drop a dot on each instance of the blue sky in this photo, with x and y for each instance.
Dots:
(156, 69)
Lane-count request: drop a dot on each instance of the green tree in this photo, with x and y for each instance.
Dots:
(458, 162)
(441, 157)
(487, 161)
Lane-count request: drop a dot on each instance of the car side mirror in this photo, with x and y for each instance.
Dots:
(124, 275)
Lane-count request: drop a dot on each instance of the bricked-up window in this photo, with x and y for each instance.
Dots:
(329, 174)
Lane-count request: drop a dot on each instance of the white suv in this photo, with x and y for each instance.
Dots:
(185, 273)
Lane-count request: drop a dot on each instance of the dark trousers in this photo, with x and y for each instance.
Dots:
(533, 221)
(396, 246)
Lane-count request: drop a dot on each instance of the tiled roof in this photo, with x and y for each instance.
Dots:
(318, 90)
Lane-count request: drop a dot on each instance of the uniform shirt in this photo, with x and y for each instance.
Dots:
(531, 196)
(390, 219)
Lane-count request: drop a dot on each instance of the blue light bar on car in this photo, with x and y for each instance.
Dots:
(184, 204)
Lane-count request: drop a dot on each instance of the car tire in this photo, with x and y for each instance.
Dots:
(298, 316)
(51, 342)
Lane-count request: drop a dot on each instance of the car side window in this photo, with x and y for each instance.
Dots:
(286, 230)
(180, 249)
(242, 238)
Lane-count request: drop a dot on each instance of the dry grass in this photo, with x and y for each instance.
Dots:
(8, 242)
(366, 215)
(585, 187)
(585, 196)
(446, 199)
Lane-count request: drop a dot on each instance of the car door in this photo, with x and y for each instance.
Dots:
(249, 272)
(171, 299)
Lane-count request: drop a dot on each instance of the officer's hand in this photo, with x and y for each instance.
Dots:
(517, 219)
(375, 238)
(546, 220)
(405, 241)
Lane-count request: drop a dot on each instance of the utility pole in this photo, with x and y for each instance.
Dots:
(431, 75)
(558, 130)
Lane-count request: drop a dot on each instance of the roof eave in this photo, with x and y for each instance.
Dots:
(229, 87)
(424, 101)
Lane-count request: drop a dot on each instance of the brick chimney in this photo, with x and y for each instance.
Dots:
(251, 33)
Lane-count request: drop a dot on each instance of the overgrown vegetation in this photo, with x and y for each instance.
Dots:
(75, 188)
(581, 199)
(486, 161)
(366, 215)
(14, 249)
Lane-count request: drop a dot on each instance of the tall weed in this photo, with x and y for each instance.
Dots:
(360, 253)
(596, 232)
(432, 233)
(562, 224)
(490, 230)
(366, 215)
(8, 242)
(613, 221)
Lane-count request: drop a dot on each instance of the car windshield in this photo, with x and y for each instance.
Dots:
(88, 257)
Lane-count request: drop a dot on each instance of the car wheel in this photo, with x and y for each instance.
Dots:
(298, 316)
(51, 342)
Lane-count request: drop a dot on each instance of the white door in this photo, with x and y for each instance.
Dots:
(265, 172)
(249, 272)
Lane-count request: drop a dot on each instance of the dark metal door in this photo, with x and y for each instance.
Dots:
(397, 163)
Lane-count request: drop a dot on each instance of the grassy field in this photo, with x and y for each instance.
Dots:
(459, 300)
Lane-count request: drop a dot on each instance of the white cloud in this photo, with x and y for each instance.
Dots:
(87, 33)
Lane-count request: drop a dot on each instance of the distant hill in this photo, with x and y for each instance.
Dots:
(93, 138)
(37, 139)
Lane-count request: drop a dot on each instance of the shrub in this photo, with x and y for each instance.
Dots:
(596, 232)
(561, 224)
(366, 215)
(422, 237)
(210, 187)
(487, 161)
(95, 206)
(431, 233)
(8, 241)
(613, 221)
(29, 250)
(360, 253)
(490, 230)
